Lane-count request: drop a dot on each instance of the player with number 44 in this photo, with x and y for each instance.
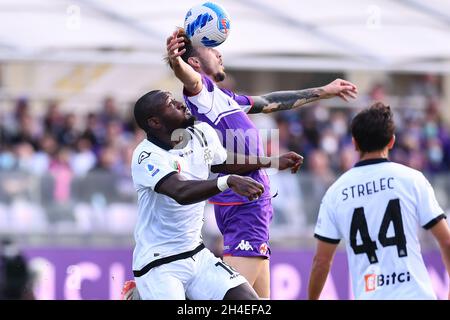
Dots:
(377, 207)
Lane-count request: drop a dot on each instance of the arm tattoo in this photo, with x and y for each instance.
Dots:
(284, 100)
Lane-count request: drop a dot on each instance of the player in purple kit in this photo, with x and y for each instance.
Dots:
(244, 224)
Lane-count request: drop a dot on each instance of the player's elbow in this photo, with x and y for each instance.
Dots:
(321, 263)
(180, 198)
(445, 244)
(193, 87)
(181, 194)
(175, 191)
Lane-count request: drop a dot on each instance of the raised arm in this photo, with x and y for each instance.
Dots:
(190, 78)
(240, 164)
(192, 191)
(286, 100)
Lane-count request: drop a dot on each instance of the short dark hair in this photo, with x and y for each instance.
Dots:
(190, 49)
(146, 107)
(373, 127)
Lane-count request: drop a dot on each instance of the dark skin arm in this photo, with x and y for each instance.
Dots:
(240, 164)
(192, 191)
(286, 100)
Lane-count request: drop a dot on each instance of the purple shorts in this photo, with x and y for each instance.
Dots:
(245, 228)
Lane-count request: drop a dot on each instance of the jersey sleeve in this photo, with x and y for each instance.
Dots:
(215, 144)
(428, 209)
(203, 100)
(326, 228)
(243, 101)
(152, 171)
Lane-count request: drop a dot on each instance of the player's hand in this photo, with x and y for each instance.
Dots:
(340, 88)
(174, 43)
(245, 186)
(129, 291)
(290, 160)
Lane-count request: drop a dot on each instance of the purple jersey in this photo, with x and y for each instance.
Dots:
(226, 112)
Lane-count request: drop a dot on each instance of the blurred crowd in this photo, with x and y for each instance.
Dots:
(66, 146)
(63, 169)
(99, 141)
(78, 157)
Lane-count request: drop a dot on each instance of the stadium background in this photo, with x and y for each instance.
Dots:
(70, 72)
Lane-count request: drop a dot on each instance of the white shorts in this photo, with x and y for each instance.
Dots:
(200, 277)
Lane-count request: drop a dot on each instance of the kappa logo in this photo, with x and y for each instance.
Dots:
(187, 153)
(244, 245)
(142, 156)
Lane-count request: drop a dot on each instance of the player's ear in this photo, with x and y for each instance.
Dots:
(154, 122)
(194, 62)
(355, 144)
(391, 142)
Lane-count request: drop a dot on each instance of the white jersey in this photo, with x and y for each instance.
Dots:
(164, 227)
(377, 207)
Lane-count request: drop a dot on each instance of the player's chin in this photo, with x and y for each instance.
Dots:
(189, 121)
(220, 76)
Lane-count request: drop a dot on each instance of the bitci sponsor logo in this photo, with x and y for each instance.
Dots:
(374, 281)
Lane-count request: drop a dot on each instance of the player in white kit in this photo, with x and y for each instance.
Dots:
(377, 207)
(170, 169)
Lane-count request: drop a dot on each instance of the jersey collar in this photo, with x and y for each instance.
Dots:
(159, 143)
(371, 161)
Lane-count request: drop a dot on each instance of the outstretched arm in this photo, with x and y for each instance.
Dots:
(241, 164)
(192, 191)
(286, 100)
(190, 78)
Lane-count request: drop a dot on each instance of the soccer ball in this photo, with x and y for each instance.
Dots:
(207, 24)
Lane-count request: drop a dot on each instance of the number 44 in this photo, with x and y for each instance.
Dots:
(368, 246)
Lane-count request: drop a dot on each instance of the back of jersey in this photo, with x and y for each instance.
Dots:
(377, 207)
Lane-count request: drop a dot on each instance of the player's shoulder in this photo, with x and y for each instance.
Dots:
(387, 167)
(344, 178)
(143, 151)
(211, 86)
(208, 87)
(401, 171)
(334, 189)
(208, 81)
(204, 127)
(207, 130)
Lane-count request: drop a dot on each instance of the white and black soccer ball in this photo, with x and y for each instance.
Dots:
(207, 24)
